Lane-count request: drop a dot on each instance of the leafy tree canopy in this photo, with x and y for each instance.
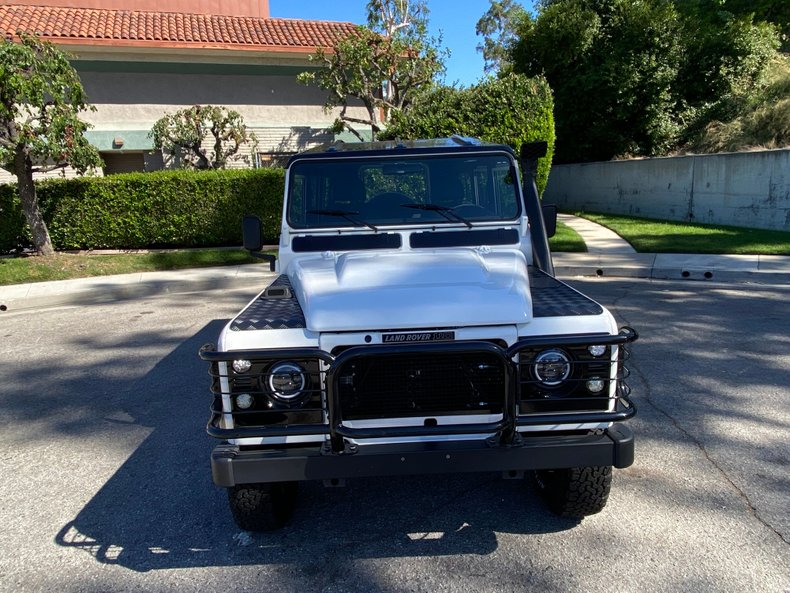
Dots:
(382, 65)
(636, 76)
(498, 28)
(40, 98)
(512, 109)
(183, 135)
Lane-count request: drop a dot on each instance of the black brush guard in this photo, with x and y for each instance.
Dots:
(337, 458)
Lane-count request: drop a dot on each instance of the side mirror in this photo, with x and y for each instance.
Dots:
(549, 212)
(252, 233)
(252, 238)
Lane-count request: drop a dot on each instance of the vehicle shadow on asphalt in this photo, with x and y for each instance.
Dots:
(160, 509)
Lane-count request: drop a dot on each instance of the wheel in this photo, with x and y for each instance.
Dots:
(262, 507)
(576, 492)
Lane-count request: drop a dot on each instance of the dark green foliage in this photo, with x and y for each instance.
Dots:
(637, 77)
(14, 231)
(139, 210)
(511, 110)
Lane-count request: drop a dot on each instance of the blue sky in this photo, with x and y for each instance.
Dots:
(456, 19)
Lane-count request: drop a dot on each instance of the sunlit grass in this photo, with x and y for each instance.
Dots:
(657, 236)
(63, 266)
(566, 239)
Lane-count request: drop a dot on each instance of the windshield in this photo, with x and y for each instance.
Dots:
(412, 190)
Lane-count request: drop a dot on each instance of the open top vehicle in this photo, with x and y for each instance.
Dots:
(416, 327)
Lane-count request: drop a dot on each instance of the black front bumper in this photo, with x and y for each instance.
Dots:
(231, 465)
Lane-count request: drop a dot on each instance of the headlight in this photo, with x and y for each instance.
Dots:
(595, 385)
(597, 350)
(242, 366)
(244, 401)
(552, 367)
(286, 381)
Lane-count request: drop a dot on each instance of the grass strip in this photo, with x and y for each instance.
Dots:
(567, 240)
(661, 236)
(63, 266)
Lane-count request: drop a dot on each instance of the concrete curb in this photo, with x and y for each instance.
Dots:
(108, 289)
(713, 268)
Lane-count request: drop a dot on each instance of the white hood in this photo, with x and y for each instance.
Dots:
(415, 290)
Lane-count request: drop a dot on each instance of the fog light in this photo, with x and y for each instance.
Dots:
(595, 385)
(242, 366)
(286, 381)
(597, 350)
(244, 401)
(552, 367)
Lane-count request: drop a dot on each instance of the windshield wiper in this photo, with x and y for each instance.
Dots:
(443, 210)
(347, 214)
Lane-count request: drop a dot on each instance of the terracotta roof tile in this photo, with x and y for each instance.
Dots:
(162, 29)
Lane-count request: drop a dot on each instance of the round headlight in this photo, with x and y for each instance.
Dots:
(242, 366)
(597, 350)
(244, 401)
(595, 385)
(552, 367)
(286, 381)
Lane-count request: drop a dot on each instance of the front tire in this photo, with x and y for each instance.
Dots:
(262, 507)
(575, 492)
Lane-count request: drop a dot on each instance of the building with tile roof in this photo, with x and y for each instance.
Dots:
(138, 63)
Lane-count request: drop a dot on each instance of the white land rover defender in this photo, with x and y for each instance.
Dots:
(416, 327)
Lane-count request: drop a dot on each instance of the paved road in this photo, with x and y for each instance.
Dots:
(105, 483)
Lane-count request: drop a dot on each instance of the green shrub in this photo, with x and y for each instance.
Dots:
(511, 110)
(160, 209)
(13, 228)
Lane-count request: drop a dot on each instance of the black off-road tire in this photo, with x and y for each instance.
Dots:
(576, 492)
(262, 507)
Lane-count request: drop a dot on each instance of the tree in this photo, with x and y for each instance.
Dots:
(40, 97)
(611, 65)
(499, 26)
(510, 109)
(383, 65)
(183, 133)
(633, 76)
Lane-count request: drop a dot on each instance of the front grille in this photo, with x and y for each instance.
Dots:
(428, 384)
(537, 381)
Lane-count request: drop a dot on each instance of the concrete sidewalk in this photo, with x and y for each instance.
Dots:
(608, 256)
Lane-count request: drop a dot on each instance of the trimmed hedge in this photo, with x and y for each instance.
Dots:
(511, 110)
(143, 210)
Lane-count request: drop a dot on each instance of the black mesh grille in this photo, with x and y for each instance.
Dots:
(404, 385)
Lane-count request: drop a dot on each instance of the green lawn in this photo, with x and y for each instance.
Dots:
(656, 236)
(647, 236)
(566, 239)
(63, 266)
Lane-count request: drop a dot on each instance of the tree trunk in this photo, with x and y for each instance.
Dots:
(23, 168)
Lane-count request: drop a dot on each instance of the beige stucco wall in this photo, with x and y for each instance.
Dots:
(285, 116)
(137, 100)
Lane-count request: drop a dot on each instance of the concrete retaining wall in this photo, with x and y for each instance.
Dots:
(748, 189)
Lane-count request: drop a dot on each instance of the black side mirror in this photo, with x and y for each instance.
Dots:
(549, 212)
(252, 232)
(252, 238)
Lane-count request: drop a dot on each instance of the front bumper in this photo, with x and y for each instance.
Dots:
(232, 465)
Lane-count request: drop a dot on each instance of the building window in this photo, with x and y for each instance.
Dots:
(272, 159)
(123, 162)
